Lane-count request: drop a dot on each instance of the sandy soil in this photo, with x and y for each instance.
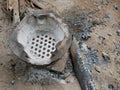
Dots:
(103, 37)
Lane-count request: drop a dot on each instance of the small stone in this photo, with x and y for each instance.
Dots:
(108, 15)
(1, 29)
(19, 78)
(116, 7)
(12, 82)
(109, 34)
(102, 40)
(97, 21)
(108, 1)
(118, 49)
(111, 87)
(82, 7)
(86, 2)
(99, 7)
(118, 32)
(105, 56)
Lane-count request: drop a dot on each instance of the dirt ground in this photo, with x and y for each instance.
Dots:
(105, 19)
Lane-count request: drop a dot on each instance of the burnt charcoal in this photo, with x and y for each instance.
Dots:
(69, 67)
(111, 87)
(83, 73)
(79, 23)
(39, 75)
(85, 35)
(18, 68)
(115, 7)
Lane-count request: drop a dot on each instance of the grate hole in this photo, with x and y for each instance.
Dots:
(31, 47)
(40, 46)
(33, 39)
(42, 56)
(35, 49)
(50, 38)
(49, 42)
(44, 48)
(48, 54)
(46, 36)
(53, 44)
(45, 44)
(37, 40)
(41, 42)
(41, 38)
(33, 43)
(48, 50)
(45, 40)
(48, 46)
(36, 45)
(39, 55)
(53, 48)
(38, 36)
(39, 51)
(43, 52)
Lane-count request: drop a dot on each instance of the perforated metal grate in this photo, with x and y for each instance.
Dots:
(42, 45)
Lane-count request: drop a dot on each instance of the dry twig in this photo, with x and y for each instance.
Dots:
(13, 5)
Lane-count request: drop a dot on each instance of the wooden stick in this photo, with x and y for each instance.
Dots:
(37, 3)
(16, 17)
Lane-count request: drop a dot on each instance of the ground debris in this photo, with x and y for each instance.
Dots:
(118, 32)
(105, 56)
(108, 15)
(118, 49)
(81, 23)
(102, 40)
(1, 29)
(40, 75)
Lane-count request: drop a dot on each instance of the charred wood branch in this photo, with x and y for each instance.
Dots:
(82, 72)
(38, 4)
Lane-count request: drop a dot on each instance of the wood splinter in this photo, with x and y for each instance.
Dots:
(14, 5)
